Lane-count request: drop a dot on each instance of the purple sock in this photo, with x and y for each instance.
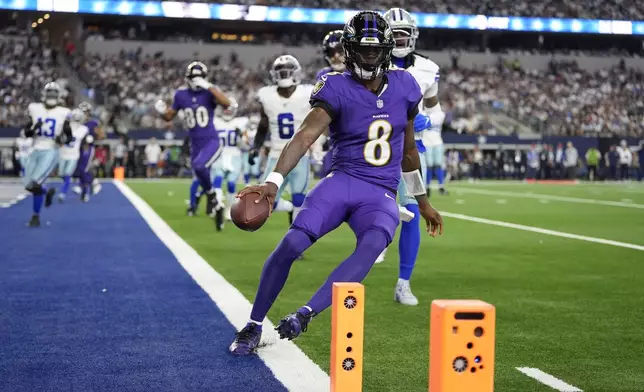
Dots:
(203, 175)
(276, 269)
(354, 269)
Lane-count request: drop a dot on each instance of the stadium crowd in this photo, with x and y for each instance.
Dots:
(588, 9)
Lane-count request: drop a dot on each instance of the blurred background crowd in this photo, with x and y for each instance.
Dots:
(504, 96)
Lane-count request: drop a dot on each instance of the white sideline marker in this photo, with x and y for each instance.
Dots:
(290, 366)
(542, 231)
(541, 196)
(551, 381)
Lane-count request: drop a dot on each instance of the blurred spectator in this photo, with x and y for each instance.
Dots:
(625, 160)
(571, 161)
(592, 161)
(152, 157)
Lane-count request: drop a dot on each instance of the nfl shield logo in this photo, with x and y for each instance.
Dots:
(194, 99)
(380, 104)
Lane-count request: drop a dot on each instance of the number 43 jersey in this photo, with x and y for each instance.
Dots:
(52, 121)
(284, 114)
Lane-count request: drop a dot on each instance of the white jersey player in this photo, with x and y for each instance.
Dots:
(284, 106)
(228, 167)
(70, 151)
(49, 127)
(248, 139)
(426, 73)
(25, 146)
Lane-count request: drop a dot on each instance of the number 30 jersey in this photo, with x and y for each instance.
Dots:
(284, 114)
(198, 109)
(52, 121)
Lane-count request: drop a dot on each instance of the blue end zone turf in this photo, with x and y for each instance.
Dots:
(152, 329)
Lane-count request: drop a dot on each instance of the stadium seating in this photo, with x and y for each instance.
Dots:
(589, 9)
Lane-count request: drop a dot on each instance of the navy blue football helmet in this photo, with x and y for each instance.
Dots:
(368, 42)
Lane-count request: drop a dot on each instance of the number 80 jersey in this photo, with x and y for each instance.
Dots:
(52, 121)
(198, 107)
(284, 114)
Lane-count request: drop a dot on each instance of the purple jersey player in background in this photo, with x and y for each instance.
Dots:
(334, 57)
(370, 112)
(198, 101)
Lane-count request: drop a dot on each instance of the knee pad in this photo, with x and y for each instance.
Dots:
(298, 199)
(34, 188)
(231, 187)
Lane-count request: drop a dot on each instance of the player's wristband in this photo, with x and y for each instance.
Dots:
(414, 183)
(275, 178)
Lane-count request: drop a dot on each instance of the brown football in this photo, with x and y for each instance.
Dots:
(248, 215)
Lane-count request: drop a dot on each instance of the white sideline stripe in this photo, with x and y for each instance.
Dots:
(287, 362)
(551, 197)
(545, 378)
(542, 231)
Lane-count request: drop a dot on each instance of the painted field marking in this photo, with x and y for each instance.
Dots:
(551, 197)
(287, 362)
(549, 380)
(542, 231)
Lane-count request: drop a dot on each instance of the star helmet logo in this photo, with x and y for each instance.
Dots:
(380, 104)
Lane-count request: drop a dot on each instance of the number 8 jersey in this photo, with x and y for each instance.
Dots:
(284, 114)
(198, 108)
(52, 121)
(367, 128)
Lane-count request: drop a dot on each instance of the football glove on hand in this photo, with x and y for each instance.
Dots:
(160, 106)
(201, 83)
(252, 155)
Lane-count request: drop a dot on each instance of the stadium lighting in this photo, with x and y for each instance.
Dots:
(34, 25)
(40, 20)
(46, 16)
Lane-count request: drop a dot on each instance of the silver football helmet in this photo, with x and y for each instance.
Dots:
(52, 94)
(286, 71)
(228, 113)
(405, 31)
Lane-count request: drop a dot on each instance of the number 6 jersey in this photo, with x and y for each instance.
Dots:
(52, 121)
(368, 128)
(284, 114)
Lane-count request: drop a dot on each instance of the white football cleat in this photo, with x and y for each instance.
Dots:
(405, 214)
(227, 214)
(403, 293)
(96, 187)
(77, 189)
(381, 257)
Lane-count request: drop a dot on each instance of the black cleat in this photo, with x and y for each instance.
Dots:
(211, 202)
(219, 219)
(291, 326)
(35, 221)
(290, 217)
(191, 211)
(49, 197)
(443, 192)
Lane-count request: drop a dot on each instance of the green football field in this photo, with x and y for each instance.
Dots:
(571, 307)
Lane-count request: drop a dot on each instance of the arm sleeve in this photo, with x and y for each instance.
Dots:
(325, 96)
(432, 91)
(175, 103)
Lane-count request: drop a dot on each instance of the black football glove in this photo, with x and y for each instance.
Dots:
(252, 155)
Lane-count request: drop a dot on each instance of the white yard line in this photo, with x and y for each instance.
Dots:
(546, 379)
(287, 362)
(550, 197)
(542, 231)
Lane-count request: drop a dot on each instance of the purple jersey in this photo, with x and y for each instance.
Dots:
(91, 126)
(367, 129)
(323, 72)
(198, 108)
